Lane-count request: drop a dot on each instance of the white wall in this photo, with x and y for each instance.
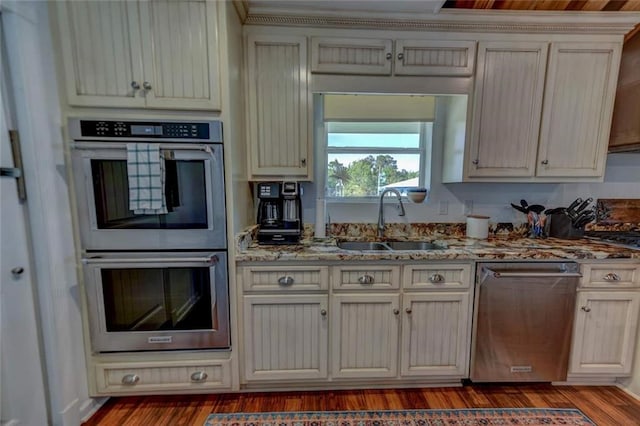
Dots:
(39, 122)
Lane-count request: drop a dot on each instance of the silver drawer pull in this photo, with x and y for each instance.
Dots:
(612, 277)
(323, 312)
(365, 279)
(199, 376)
(586, 309)
(287, 280)
(130, 379)
(436, 278)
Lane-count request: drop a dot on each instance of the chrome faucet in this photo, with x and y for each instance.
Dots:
(400, 208)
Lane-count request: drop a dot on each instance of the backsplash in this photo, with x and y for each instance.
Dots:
(622, 180)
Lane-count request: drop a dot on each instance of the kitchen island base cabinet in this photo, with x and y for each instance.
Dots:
(285, 337)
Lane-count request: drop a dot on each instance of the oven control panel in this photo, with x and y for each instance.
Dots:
(142, 129)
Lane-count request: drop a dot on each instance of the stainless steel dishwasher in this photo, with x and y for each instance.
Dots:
(523, 319)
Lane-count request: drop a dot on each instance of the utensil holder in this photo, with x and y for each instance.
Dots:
(559, 226)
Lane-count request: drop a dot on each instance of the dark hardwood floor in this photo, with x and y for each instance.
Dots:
(605, 405)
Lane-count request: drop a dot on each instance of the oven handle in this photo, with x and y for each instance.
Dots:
(497, 274)
(97, 260)
(120, 145)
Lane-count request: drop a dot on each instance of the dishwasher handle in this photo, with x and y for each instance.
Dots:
(531, 274)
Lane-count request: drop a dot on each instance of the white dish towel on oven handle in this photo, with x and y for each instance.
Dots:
(146, 176)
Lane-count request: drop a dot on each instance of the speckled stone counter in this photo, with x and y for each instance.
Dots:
(507, 243)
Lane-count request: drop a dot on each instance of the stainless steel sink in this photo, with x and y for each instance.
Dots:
(363, 245)
(412, 245)
(387, 245)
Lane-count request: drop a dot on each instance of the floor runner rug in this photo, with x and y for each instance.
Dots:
(462, 417)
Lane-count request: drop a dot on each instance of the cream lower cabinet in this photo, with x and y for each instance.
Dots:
(285, 337)
(364, 330)
(605, 329)
(435, 334)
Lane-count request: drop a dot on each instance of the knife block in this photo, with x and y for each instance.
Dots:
(559, 226)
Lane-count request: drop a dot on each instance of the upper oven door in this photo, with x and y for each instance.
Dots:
(194, 188)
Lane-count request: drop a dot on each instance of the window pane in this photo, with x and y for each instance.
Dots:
(366, 175)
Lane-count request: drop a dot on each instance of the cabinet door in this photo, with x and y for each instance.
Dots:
(285, 337)
(180, 51)
(604, 335)
(577, 109)
(365, 335)
(278, 108)
(507, 109)
(333, 55)
(436, 334)
(435, 57)
(101, 49)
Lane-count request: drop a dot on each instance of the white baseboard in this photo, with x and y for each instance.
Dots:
(90, 407)
(627, 391)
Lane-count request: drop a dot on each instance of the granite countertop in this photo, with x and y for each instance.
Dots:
(511, 245)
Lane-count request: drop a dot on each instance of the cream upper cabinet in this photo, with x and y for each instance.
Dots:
(147, 54)
(278, 107)
(604, 335)
(507, 109)
(365, 335)
(436, 334)
(577, 109)
(377, 56)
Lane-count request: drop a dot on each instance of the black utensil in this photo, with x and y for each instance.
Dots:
(570, 211)
(536, 208)
(584, 205)
(524, 204)
(520, 209)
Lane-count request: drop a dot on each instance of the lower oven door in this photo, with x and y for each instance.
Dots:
(151, 301)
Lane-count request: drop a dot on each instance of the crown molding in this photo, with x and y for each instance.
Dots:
(458, 21)
(242, 9)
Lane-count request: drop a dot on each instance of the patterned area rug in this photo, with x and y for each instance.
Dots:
(464, 417)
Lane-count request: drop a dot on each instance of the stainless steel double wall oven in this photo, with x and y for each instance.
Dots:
(153, 281)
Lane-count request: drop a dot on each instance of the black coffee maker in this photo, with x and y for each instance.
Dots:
(279, 213)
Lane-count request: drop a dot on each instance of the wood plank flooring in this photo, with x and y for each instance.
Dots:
(605, 405)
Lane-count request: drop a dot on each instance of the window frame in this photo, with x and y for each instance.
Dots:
(424, 150)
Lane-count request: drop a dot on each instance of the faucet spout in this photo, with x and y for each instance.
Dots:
(381, 209)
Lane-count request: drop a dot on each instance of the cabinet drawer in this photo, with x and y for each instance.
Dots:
(611, 276)
(366, 277)
(436, 276)
(137, 377)
(277, 278)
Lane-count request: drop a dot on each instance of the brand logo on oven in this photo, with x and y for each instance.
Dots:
(159, 339)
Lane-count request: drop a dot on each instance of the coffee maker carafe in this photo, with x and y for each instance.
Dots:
(279, 213)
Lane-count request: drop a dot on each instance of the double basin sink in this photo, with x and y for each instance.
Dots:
(388, 245)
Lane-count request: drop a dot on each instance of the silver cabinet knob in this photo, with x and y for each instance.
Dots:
(389, 56)
(286, 280)
(475, 162)
(396, 312)
(586, 309)
(408, 310)
(130, 379)
(612, 277)
(18, 270)
(436, 279)
(400, 56)
(146, 85)
(323, 312)
(365, 279)
(199, 376)
(135, 85)
(544, 162)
